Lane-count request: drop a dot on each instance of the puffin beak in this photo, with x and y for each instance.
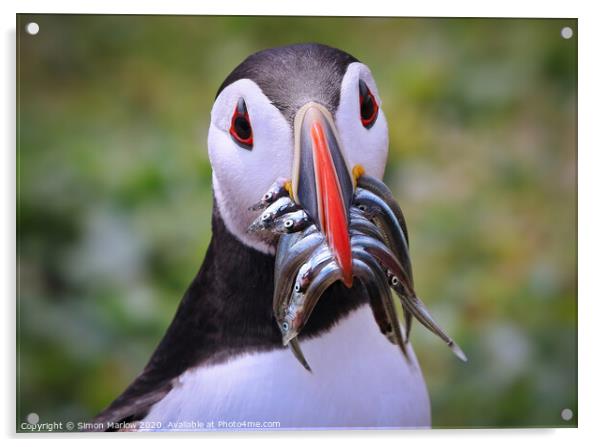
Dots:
(321, 180)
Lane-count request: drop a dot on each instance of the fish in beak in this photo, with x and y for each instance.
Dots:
(322, 181)
(361, 230)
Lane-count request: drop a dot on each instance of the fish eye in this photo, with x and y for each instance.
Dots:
(265, 217)
(297, 287)
(394, 280)
(285, 325)
(288, 223)
(362, 207)
(240, 126)
(267, 196)
(368, 106)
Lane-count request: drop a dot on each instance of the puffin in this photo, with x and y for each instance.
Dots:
(221, 363)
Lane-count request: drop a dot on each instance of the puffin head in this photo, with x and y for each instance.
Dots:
(309, 113)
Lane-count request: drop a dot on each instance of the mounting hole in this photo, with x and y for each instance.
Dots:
(566, 414)
(32, 28)
(33, 418)
(566, 32)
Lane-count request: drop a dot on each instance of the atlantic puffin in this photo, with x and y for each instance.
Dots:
(221, 361)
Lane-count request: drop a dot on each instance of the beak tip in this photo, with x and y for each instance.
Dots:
(348, 281)
(344, 259)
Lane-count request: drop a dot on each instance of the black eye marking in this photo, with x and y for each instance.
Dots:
(368, 106)
(240, 126)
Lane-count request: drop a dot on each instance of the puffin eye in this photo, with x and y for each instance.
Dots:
(368, 106)
(240, 126)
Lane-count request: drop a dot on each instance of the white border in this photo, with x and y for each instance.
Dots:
(508, 8)
(590, 188)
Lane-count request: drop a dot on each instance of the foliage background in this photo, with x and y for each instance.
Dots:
(114, 196)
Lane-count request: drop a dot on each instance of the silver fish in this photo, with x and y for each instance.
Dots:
(266, 220)
(277, 190)
(368, 270)
(293, 250)
(418, 309)
(387, 222)
(359, 225)
(298, 353)
(308, 271)
(302, 303)
(377, 187)
(291, 222)
(383, 254)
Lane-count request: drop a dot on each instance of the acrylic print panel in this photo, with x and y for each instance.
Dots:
(455, 135)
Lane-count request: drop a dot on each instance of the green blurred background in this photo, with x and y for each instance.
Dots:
(114, 196)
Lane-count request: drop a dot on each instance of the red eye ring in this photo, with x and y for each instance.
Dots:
(368, 106)
(240, 126)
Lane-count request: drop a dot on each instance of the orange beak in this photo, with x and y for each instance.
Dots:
(322, 182)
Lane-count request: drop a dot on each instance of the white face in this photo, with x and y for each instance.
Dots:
(241, 175)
